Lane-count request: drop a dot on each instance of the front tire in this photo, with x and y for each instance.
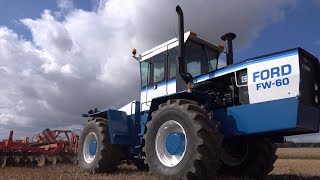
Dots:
(182, 142)
(95, 153)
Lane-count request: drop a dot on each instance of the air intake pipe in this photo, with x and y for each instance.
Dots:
(228, 37)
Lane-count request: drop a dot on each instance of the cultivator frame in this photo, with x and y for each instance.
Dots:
(46, 148)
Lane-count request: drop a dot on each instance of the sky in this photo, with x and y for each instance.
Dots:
(58, 59)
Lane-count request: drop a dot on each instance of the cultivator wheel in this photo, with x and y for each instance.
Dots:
(3, 161)
(40, 160)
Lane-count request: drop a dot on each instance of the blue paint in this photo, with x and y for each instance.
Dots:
(278, 115)
(273, 72)
(175, 143)
(119, 131)
(93, 147)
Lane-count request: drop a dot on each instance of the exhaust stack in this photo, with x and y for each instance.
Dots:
(228, 37)
(181, 52)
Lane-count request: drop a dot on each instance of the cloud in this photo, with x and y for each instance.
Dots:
(65, 4)
(83, 60)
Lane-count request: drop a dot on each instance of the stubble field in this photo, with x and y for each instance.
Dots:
(293, 163)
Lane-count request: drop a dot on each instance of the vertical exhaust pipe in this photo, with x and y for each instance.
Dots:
(181, 53)
(228, 37)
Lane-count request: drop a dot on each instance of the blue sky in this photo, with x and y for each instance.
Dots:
(58, 58)
(301, 28)
(14, 10)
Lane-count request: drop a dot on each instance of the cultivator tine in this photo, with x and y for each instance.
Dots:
(40, 160)
(16, 159)
(53, 160)
(3, 161)
(59, 159)
(29, 159)
(74, 160)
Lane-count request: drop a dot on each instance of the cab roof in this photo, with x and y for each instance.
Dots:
(174, 43)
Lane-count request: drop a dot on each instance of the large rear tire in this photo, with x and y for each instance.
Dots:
(182, 142)
(95, 153)
(257, 162)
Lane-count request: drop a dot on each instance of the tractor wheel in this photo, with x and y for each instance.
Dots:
(95, 153)
(182, 142)
(141, 166)
(252, 159)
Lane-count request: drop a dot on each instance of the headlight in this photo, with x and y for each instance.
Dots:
(316, 87)
(316, 99)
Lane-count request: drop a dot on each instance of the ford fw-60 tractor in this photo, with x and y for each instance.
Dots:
(195, 121)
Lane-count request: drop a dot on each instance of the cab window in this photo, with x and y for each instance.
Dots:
(158, 67)
(173, 55)
(200, 59)
(145, 73)
(212, 59)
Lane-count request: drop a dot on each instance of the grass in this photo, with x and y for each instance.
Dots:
(298, 153)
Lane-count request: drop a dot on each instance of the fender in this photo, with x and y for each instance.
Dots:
(118, 125)
(194, 95)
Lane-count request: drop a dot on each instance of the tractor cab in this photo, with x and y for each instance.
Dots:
(158, 66)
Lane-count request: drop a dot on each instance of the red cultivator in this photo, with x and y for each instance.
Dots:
(50, 146)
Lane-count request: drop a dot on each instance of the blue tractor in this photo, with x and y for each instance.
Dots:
(194, 121)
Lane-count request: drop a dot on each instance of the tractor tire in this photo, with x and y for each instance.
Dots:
(141, 166)
(182, 142)
(257, 163)
(95, 153)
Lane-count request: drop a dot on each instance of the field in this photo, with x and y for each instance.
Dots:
(293, 163)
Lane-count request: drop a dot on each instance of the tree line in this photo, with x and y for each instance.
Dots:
(291, 144)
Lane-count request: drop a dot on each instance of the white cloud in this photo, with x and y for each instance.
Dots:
(83, 60)
(65, 4)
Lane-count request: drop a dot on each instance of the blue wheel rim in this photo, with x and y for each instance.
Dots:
(90, 147)
(93, 147)
(170, 143)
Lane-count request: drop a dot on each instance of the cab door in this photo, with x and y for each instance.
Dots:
(159, 71)
(171, 68)
(146, 86)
